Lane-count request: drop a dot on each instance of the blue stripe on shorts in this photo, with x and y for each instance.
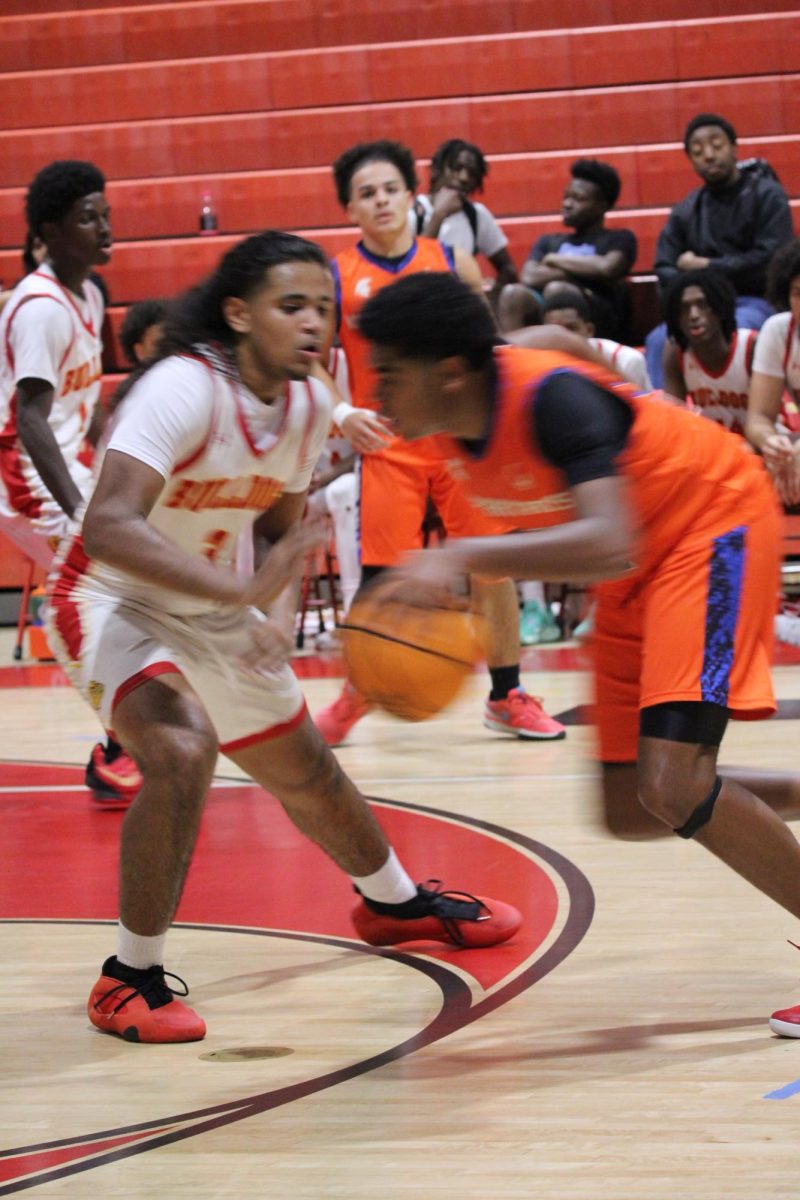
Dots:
(722, 613)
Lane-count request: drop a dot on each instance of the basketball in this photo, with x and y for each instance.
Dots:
(410, 661)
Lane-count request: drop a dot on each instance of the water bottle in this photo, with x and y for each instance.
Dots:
(208, 216)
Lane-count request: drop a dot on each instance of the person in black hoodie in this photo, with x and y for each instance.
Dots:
(734, 223)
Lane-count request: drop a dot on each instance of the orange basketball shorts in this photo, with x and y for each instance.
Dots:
(697, 628)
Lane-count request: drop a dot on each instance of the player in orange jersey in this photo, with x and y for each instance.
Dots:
(375, 182)
(674, 517)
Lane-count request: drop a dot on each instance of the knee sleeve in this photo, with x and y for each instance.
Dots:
(702, 814)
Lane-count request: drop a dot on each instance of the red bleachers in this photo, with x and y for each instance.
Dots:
(42, 34)
(361, 74)
(252, 99)
(532, 121)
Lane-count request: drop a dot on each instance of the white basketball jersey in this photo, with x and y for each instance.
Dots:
(74, 370)
(245, 456)
(722, 396)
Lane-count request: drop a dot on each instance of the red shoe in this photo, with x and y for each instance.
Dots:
(144, 1008)
(786, 1022)
(336, 721)
(522, 716)
(457, 918)
(112, 776)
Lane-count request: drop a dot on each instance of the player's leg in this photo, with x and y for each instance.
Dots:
(341, 497)
(118, 660)
(509, 708)
(391, 508)
(299, 769)
(111, 774)
(170, 734)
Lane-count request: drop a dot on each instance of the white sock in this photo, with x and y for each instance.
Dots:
(530, 590)
(139, 952)
(388, 885)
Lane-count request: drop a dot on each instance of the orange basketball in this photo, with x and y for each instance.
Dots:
(409, 661)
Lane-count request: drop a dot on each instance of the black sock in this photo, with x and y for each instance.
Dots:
(112, 749)
(117, 970)
(408, 908)
(504, 680)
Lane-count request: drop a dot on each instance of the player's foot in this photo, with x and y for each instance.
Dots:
(139, 1006)
(522, 716)
(786, 1022)
(112, 776)
(336, 721)
(457, 918)
(537, 624)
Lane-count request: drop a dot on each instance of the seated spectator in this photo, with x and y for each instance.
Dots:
(458, 169)
(708, 361)
(141, 330)
(776, 369)
(734, 223)
(570, 310)
(592, 259)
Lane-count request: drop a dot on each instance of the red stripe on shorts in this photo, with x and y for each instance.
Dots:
(135, 681)
(67, 618)
(265, 734)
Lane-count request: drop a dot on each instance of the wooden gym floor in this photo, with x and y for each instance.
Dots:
(616, 1050)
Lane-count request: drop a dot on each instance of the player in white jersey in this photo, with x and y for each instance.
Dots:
(50, 375)
(707, 361)
(570, 310)
(776, 372)
(160, 632)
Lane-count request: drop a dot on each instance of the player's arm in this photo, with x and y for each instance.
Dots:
(581, 429)
(365, 430)
(34, 399)
(269, 528)
(503, 264)
(556, 337)
(674, 384)
(763, 406)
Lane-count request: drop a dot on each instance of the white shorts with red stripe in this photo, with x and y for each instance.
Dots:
(38, 528)
(109, 647)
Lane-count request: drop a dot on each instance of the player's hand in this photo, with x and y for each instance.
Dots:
(366, 431)
(778, 452)
(271, 648)
(285, 562)
(429, 579)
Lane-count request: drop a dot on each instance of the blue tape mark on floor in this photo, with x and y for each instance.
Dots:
(784, 1093)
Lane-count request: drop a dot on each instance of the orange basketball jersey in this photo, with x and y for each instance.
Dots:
(683, 471)
(360, 275)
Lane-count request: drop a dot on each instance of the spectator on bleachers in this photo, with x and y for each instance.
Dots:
(776, 370)
(592, 259)
(447, 212)
(141, 330)
(734, 223)
(708, 361)
(570, 310)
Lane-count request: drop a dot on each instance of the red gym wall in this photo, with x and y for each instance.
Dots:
(253, 99)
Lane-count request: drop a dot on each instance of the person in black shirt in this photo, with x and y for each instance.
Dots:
(734, 223)
(591, 258)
